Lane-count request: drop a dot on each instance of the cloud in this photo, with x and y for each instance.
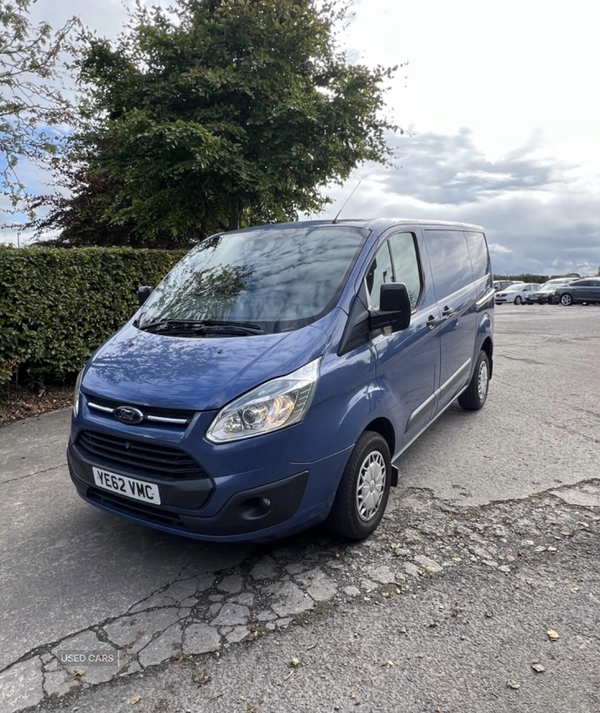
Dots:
(499, 249)
(538, 216)
(451, 169)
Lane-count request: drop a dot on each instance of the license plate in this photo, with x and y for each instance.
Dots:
(129, 487)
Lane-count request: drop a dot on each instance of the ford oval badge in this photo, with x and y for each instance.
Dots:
(128, 414)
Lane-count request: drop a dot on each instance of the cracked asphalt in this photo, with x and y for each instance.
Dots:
(489, 547)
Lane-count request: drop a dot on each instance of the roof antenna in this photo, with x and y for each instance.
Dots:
(347, 201)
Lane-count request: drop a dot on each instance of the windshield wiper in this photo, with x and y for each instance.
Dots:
(203, 326)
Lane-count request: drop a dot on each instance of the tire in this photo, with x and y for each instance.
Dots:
(518, 300)
(352, 515)
(475, 395)
(566, 300)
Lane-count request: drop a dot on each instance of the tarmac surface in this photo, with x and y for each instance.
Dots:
(479, 592)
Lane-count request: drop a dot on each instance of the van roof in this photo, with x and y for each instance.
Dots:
(375, 223)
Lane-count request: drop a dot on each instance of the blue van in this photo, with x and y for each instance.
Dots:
(275, 375)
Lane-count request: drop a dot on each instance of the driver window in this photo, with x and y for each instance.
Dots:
(406, 264)
(379, 273)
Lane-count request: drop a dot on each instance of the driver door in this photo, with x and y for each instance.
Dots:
(408, 361)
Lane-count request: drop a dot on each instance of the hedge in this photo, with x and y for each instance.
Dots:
(58, 305)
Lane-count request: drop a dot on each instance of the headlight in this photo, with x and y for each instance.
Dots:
(276, 404)
(76, 394)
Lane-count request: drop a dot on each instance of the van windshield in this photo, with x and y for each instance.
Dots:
(275, 278)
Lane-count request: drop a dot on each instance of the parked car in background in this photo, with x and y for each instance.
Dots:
(516, 293)
(585, 291)
(546, 293)
(502, 284)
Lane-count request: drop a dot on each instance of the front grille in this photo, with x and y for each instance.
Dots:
(140, 457)
(179, 417)
(141, 510)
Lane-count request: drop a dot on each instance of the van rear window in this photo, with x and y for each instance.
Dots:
(479, 254)
(450, 261)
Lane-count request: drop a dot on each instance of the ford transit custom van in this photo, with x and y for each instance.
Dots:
(274, 377)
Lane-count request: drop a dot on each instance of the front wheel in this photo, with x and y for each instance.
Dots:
(364, 489)
(475, 395)
(566, 300)
(518, 300)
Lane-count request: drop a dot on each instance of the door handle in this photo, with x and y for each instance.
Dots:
(431, 322)
(447, 312)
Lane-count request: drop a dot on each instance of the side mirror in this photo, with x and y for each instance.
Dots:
(394, 308)
(143, 293)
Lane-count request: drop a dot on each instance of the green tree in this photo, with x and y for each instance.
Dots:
(30, 98)
(217, 113)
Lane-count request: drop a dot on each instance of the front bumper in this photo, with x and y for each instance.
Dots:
(283, 506)
(247, 512)
(540, 300)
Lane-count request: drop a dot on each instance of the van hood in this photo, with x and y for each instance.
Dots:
(199, 374)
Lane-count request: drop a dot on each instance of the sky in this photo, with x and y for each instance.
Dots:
(500, 113)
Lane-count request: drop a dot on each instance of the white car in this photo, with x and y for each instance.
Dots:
(516, 293)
